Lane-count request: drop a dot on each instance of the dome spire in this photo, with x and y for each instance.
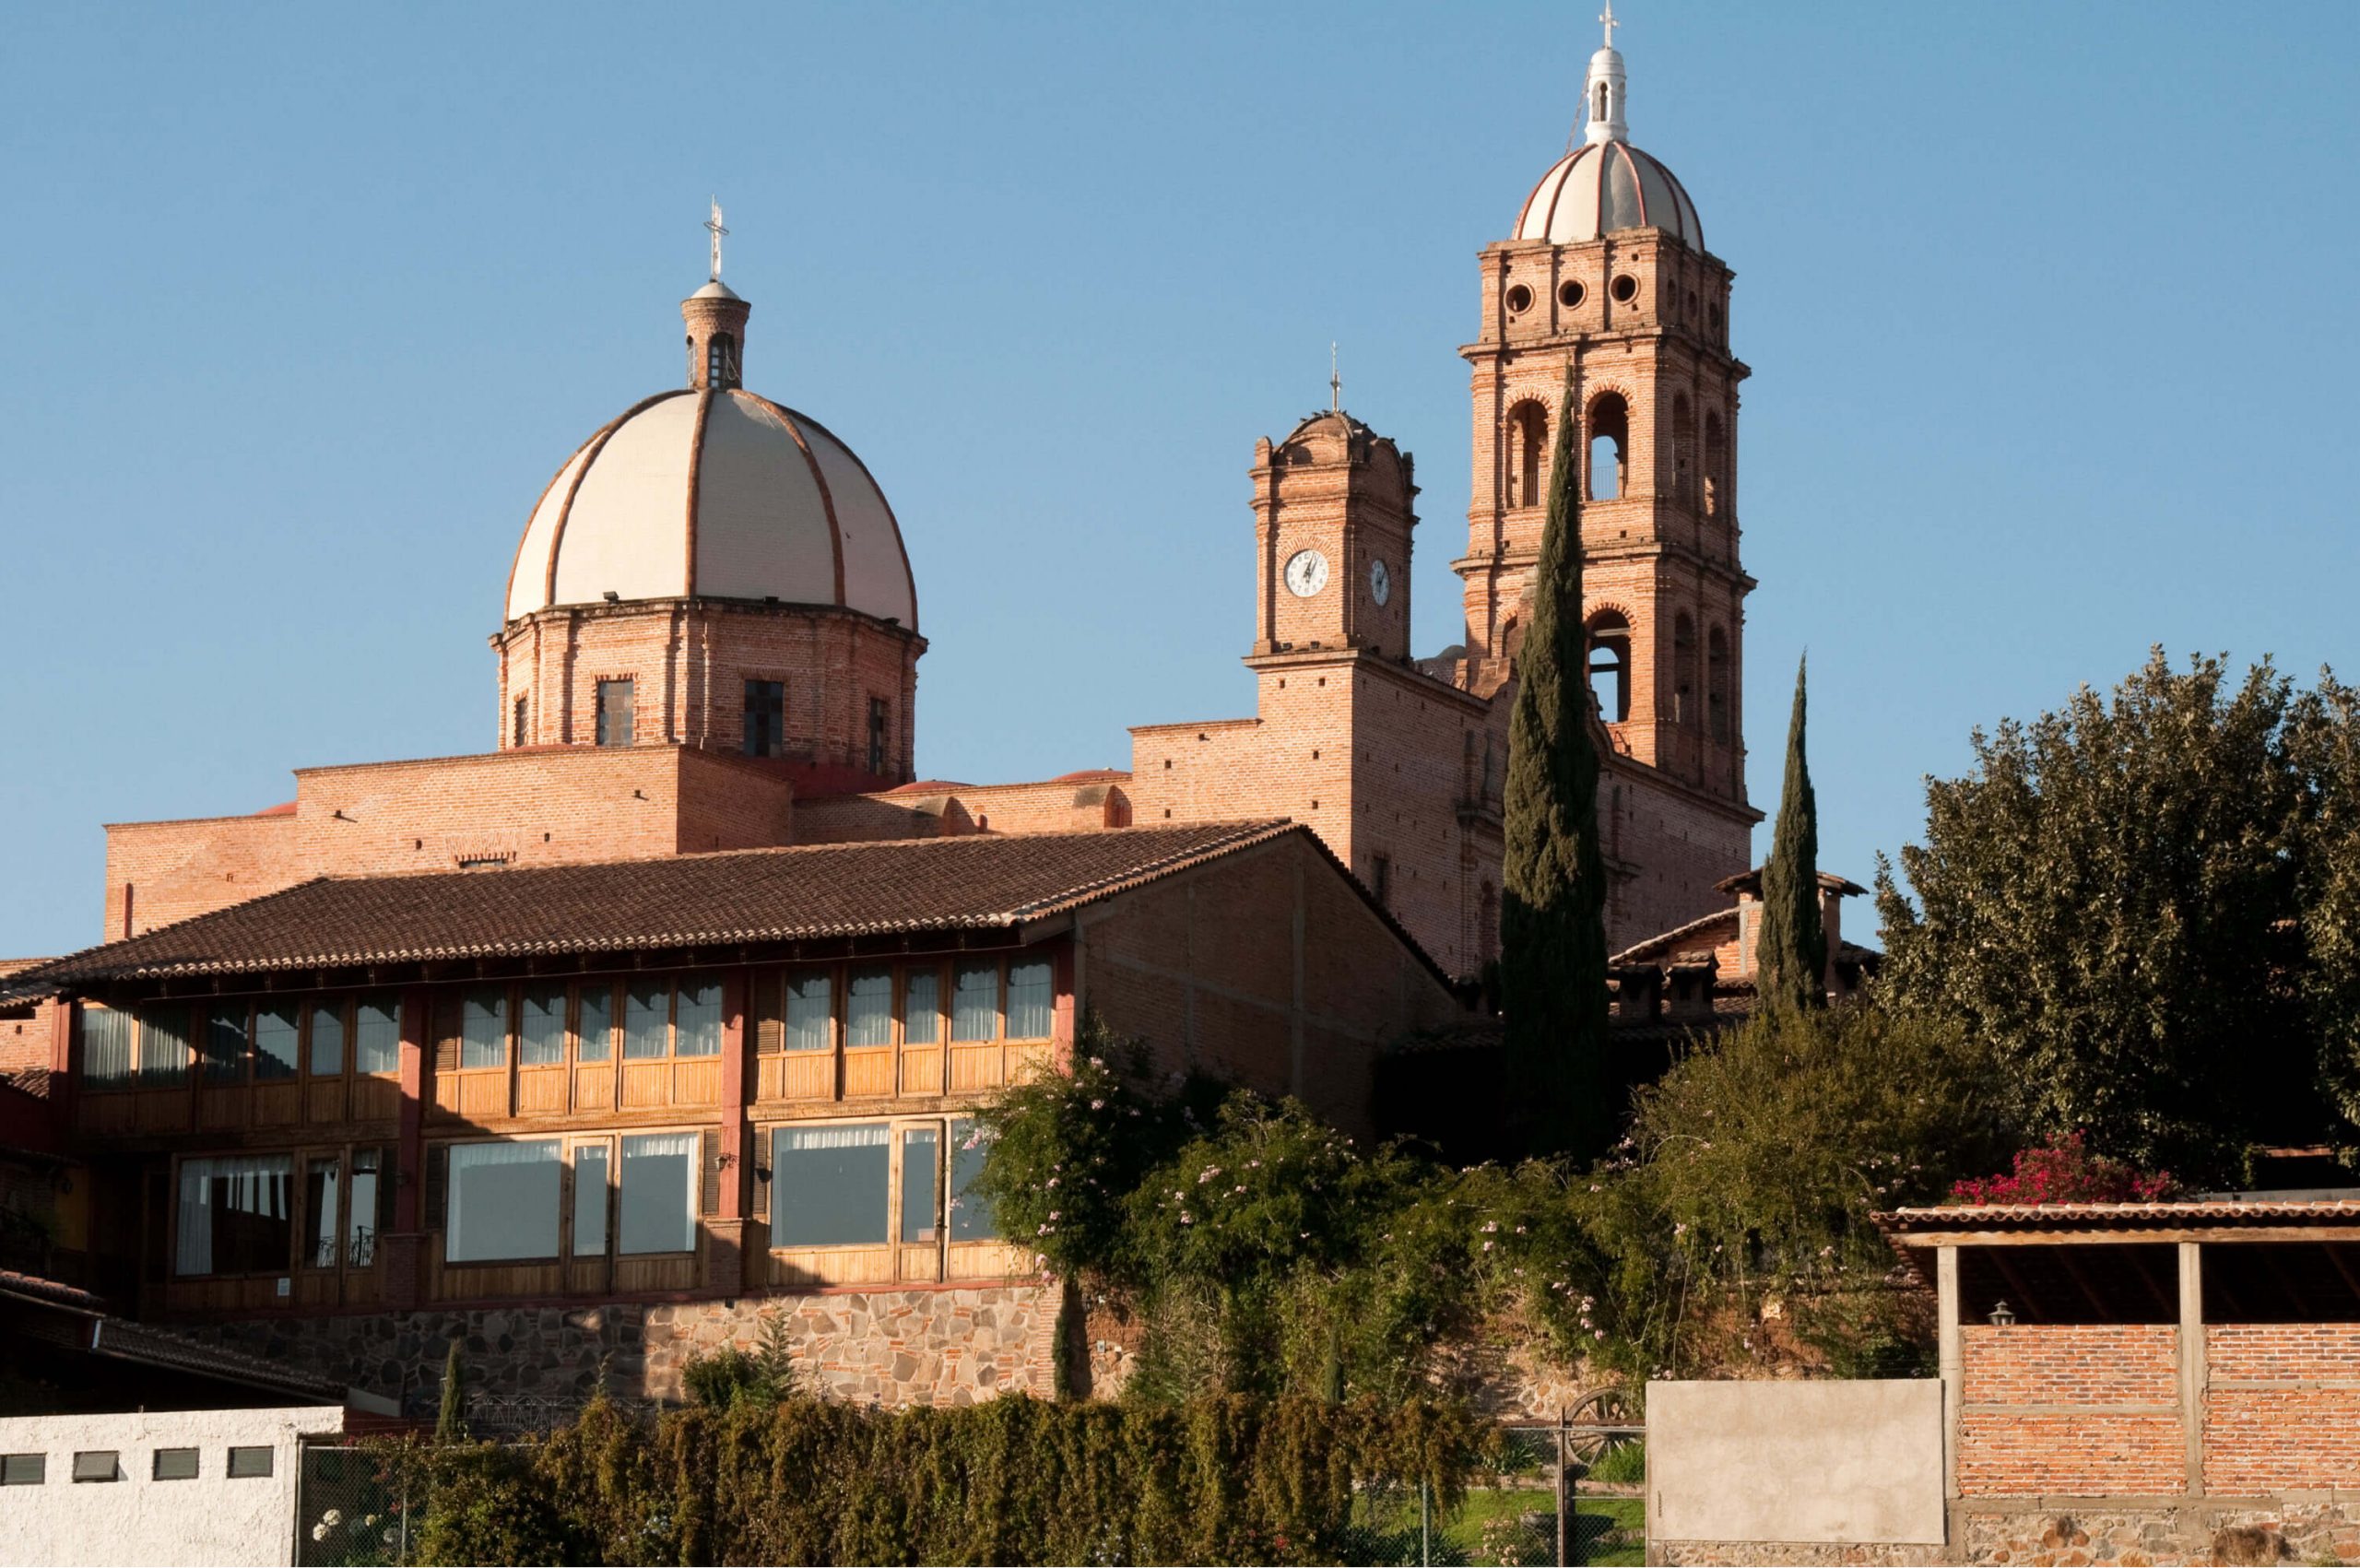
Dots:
(712, 225)
(1603, 96)
(717, 323)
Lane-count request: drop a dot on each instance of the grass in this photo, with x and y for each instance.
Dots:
(1484, 1529)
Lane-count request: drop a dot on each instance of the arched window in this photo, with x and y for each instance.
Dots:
(1717, 688)
(1600, 115)
(1684, 451)
(721, 360)
(1528, 440)
(1717, 454)
(1610, 440)
(1610, 666)
(1684, 669)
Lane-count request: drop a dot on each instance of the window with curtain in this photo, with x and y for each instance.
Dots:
(974, 1003)
(589, 1200)
(225, 1043)
(971, 1216)
(811, 999)
(483, 1028)
(614, 713)
(648, 1021)
(377, 1035)
(328, 1038)
(595, 1026)
(361, 1224)
(164, 1047)
(106, 1047)
(502, 1201)
(921, 1006)
(869, 1007)
(540, 1038)
(234, 1215)
(1031, 1000)
(921, 1185)
(657, 1197)
(696, 1016)
(832, 1186)
(277, 1040)
(322, 1187)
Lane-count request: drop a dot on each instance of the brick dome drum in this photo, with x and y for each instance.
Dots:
(1605, 187)
(715, 492)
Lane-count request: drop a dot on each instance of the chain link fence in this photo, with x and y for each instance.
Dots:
(350, 1509)
(1526, 1516)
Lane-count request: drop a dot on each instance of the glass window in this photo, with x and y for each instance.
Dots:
(377, 1035)
(247, 1463)
(516, 736)
(971, 1217)
(360, 1227)
(765, 718)
(921, 1006)
(225, 1044)
(98, 1465)
(483, 1028)
(276, 1040)
(657, 1207)
(878, 713)
(648, 1021)
(830, 1186)
(809, 1001)
(321, 1184)
(974, 1002)
(540, 1040)
(164, 1047)
(327, 1039)
(106, 1047)
(595, 1026)
(1031, 1000)
(869, 1007)
(23, 1470)
(696, 1017)
(589, 1200)
(233, 1215)
(614, 713)
(175, 1464)
(921, 1183)
(503, 1200)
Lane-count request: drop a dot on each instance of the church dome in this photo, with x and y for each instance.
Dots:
(1602, 188)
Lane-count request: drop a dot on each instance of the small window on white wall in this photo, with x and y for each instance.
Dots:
(504, 1201)
(98, 1465)
(23, 1470)
(175, 1464)
(250, 1464)
(657, 1212)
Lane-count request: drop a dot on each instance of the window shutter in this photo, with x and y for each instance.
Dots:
(710, 1152)
(770, 1024)
(438, 1186)
(763, 1175)
(446, 1031)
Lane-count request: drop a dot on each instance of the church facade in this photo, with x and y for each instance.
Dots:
(682, 995)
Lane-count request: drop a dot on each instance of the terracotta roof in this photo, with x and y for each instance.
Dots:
(1677, 934)
(985, 882)
(1902, 1223)
(1751, 882)
(33, 1287)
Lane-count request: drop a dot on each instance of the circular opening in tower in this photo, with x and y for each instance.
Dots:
(1626, 288)
(1519, 299)
(1570, 295)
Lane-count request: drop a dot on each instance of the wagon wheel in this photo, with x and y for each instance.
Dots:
(1604, 1406)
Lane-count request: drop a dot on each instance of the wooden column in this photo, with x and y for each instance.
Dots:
(1951, 1361)
(2192, 1362)
(404, 1245)
(1065, 1026)
(725, 1228)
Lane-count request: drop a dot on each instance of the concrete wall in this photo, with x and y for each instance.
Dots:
(210, 1520)
(1851, 1463)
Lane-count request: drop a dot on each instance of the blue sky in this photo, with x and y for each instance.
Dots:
(2049, 310)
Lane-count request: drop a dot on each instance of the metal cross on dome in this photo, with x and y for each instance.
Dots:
(1607, 16)
(712, 226)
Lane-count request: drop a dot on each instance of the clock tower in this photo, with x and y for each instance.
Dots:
(1332, 516)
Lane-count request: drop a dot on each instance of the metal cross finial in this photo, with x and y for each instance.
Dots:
(712, 226)
(1334, 384)
(1607, 16)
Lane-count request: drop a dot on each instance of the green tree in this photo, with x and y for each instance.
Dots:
(451, 1424)
(1552, 915)
(1791, 954)
(2115, 898)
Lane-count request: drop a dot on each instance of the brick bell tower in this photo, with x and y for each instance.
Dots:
(1332, 516)
(1607, 277)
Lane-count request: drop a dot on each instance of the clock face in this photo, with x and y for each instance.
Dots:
(1307, 574)
(1380, 581)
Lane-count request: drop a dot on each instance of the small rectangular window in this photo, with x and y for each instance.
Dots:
(247, 1463)
(869, 1007)
(98, 1465)
(647, 1021)
(377, 1035)
(516, 733)
(921, 1006)
(657, 1200)
(483, 1028)
(163, 1046)
(175, 1464)
(327, 1039)
(275, 1039)
(322, 1192)
(765, 718)
(234, 1215)
(23, 1470)
(595, 1028)
(590, 1200)
(360, 1228)
(540, 1041)
(879, 720)
(225, 1044)
(696, 1016)
(921, 1185)
(971, 1216)
(810, 1004)
(974, 1003)
(1031, 1000)
(615, 712)
(1381, 876)
(830, 1186)
(106, 1047)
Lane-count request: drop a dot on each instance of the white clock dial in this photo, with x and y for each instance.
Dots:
(1307, 574)
(1380, 581)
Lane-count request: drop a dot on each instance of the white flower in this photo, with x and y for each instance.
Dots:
(333, 1517)
(319, 1530)
(1096, 1062)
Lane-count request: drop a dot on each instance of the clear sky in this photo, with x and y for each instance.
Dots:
(2049, 308)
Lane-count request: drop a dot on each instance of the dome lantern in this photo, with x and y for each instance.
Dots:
(716, 318)
(1603, 96)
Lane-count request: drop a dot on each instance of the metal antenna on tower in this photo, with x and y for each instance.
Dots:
(712, 226)
(1334, 384)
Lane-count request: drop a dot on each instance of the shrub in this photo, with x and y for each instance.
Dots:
(2065, 1170)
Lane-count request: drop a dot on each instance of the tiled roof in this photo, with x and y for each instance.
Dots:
(984, 882)
(1903, 1222)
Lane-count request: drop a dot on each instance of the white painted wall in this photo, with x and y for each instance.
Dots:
(1857, 1462)
(139, 1520)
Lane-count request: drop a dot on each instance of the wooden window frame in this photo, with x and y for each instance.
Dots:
(940, 1268)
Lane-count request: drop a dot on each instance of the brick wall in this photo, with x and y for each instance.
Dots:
(2083, 1410)
(2282, 1409)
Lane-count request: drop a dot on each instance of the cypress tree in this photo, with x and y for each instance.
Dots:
(1553, 910)
(451, 1424)
(1790, 955)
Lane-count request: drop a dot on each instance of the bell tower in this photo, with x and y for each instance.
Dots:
(1606, 280)
(1332, 517)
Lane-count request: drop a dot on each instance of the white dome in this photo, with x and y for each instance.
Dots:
(1604, 187)
(719, 493)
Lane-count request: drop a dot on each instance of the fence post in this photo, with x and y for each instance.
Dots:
(1563, 1484)
(1425, 1533)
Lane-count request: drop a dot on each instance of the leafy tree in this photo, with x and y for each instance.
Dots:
(1791, 953)
(2115, 899)
(1552, 914)
(450, 1422)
